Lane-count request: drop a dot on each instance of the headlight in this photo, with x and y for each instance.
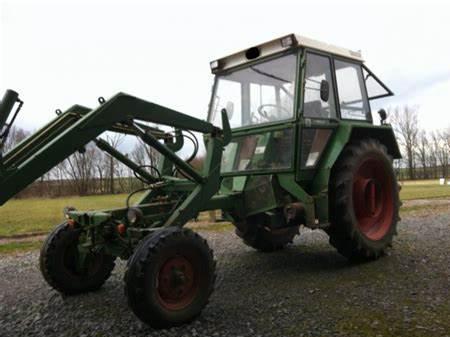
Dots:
(287, 41)
(214, 65)
(134, 215)
(68, 209)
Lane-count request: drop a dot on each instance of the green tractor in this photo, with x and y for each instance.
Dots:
(289, 141)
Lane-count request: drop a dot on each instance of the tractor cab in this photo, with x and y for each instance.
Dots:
(285, 99)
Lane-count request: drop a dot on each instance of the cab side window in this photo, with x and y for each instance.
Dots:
(351, 91)
(317, 77)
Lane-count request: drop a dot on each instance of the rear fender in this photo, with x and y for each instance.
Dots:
(347, 133)
(385, 135)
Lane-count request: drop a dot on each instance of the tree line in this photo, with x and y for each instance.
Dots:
(91, 171)
(425, 153)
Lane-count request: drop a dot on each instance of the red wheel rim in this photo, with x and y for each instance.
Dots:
(373, 199)
(177, 284)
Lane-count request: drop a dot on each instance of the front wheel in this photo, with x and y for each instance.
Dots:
(61, 267)
(170, 277)
(364, 201)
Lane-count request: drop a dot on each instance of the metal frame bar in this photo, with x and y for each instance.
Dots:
(385, 87)
(149, 139)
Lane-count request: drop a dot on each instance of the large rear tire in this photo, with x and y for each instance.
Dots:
(170, 277)
(364, 201)
(59, 265)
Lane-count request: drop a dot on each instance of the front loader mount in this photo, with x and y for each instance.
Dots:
(78, 256)
(169, 200)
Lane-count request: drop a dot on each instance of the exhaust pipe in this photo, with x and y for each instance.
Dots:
(6, 105)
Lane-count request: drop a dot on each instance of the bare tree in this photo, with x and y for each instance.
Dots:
(101, 165)
(16, 135)
(80, 169)
(145, 155)
(423, 152)
(446, 140)
(59, 175)
(433, 153)
(406, 127)
(115, 140)
(443, 151)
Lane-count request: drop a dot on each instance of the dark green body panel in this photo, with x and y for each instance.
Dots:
(345, 133)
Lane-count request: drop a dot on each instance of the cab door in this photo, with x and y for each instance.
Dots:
(318, 116)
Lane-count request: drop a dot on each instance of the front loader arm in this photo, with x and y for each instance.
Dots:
(72, 130)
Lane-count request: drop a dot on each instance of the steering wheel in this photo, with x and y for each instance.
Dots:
(264, 114)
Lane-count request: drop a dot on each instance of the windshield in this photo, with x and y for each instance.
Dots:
(261, 93)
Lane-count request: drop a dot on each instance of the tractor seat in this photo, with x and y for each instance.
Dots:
(314, 109)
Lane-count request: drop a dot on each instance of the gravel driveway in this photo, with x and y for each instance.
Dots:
(305, 290)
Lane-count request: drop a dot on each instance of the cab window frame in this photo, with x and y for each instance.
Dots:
(369, 118)
(370, 73)
(333, 84)
(266, 128)
(295, 52)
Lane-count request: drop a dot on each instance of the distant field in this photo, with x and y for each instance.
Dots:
(41, 215)
(423, 189)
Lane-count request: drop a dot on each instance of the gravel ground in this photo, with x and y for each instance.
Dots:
(305, 290)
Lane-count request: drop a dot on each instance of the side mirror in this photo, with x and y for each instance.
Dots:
(230, 109)
(383, 116)
(324, 90)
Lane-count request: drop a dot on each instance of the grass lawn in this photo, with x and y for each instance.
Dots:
(423, 189)
(41, 215)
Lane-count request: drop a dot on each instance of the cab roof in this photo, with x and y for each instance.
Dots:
(284, 43)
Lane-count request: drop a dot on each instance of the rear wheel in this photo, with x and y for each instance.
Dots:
(364, 201)
(170, 277)
(61, 267)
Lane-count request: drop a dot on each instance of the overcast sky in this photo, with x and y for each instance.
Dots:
(57, 53)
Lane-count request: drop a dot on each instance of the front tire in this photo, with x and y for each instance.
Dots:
(364, 201)
(59, 265)
(170, 277)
